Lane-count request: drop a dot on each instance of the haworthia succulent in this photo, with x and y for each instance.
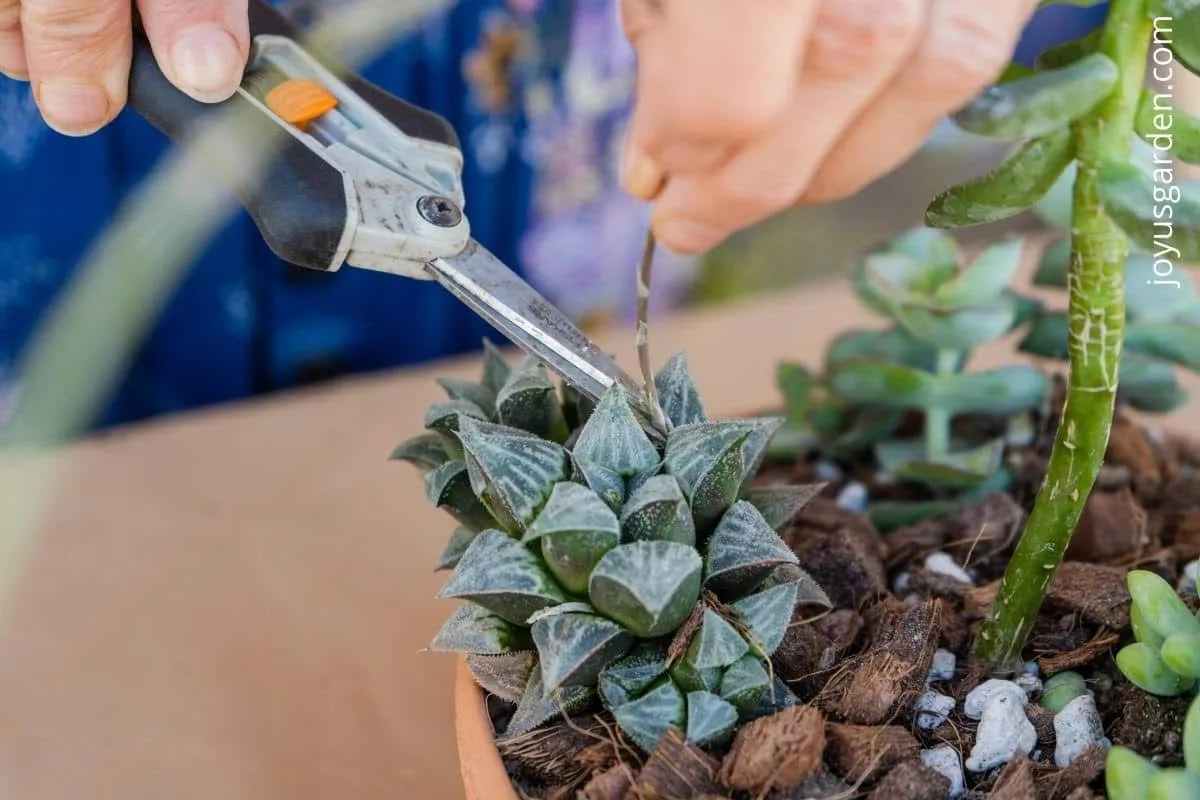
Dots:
(767, 615)
(448, 487)
(459, 541)
(426, 452)
(742, 551)
(710, 719)
(472, 629)
(630, 676)
(649, 587)
(511, 471)
(505, 675)
(503, 576)
(745, 683)
(658, 510)
(529, 400)
(538, 705)
(575, 529)
(707, 460)
(780, 504)
(677, 393)
(613, 439)
(646, 719)
(574, 646)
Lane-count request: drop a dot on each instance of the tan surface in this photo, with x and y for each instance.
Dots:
(230, 604)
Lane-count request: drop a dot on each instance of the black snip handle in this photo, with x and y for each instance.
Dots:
(299, 205)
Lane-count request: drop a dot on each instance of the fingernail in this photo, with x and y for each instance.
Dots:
(641, 176)
(686, 237)
(207, 62)
(73, 109)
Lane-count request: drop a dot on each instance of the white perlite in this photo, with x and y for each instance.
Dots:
(978, 697)
(1076, 728)
(1003, 731)
(828, 471)
(932, 709)
(942, 666)
(901, 583)
(944, 564)
(1187, 583)
(945, 760)
(1030, 684)
(853, 498)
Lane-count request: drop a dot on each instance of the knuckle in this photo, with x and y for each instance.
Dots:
(80, 25)
(845, 32)
(10, 19)
(964, 53)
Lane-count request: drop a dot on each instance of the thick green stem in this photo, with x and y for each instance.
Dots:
(1097, 321)
(937, 420)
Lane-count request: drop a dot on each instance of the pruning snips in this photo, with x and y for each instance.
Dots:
(363, 178)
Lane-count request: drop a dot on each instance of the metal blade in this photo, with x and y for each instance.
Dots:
(513, 307)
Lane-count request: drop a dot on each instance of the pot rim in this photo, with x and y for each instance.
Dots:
(483, 774)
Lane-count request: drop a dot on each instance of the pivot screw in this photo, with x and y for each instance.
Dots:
(440, 211)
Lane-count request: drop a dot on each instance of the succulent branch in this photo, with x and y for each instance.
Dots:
(599, 570)
(645, 267)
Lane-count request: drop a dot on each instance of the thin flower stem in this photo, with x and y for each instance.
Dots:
(643, 330)
(1097, 318)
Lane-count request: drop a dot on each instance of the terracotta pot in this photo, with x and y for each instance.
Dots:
(483, 773)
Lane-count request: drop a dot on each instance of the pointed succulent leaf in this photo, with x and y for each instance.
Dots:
(511, 471)
(1181, 652)
(985, 278)
(445, 416)
(961, 329)
(500, 574)
(574, 647)
(1142, 631)
(425, 452)
(716, 644)
(677, 393)
(613, 438)
(1145, 669)
(707, 460)
(630, 676)
(472, 629)
(449, 488)
(808, 591)
(1160, 606)
(649, 587)
(646, 719)
(505, 676)
(538, 705)
(776, 697)
(657, 510)
(691, 679)
(604, 483)
(460, 540)
(477, 394)
(766, 616)
(575, 530)
(745, 683)
(754, 449)
(1127, 775)
(780, 504)
(742, 551)
(529, 401)
(710, 720)
(495, 368)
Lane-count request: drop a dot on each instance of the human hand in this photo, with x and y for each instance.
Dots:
(76, 53)
(745, 109)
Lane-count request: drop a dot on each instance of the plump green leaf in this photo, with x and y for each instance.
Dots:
(780, 504)
(646, 719)
(1181, 653)
(707, 459)
(511, 471)
(1060, 689)
(613, 439)
(1127, 775)
(744, 683)
(649, 587)
(894, 344)
(539, 705)
(1191, 737)
(657, 510)
(985, 278)
(716, 644)
(1154, 215)
(529, 401)
(1002, 391)
(926, 246)
(1144, 668)
(677, 393)
(961, 329)
(630, 677)
(1173, 783)
(1142, 630)
(575, 529)
(766, 616)
(1168, 342)
(472, 629)
(960, 469)
(1150, 385)
(506, 675)
(445, 417)
(742, 551)
(1054, 265)
(477, 394)
(1161, 608)
(691, 679)
(1060, 55)
(1010, 188)
(606, 484)
(1167, 128)
(449, 488)
(710, 720)
(500, 574)
(1042, 102)
(574, 646)
(1047, 336)
(875, 294)
(1177, 22)
(425, 452)
(459, 541)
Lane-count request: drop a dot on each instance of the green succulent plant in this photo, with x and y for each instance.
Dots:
(1130, 776)
(939, 310)
(1165, 659)
(596, 568)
